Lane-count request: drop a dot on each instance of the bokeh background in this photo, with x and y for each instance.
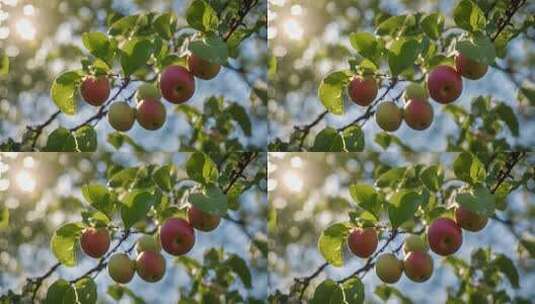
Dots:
(42, 192)
(42, 39)
(310, 39)
(310, 191)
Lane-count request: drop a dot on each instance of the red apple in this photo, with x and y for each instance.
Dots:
(95, 90)
(151, 114)
(201, 68)
(418, 266)
(469, 68)
(201, 220)
(121, 269)
(469, 220)
(363, 242)
(177, 84)
(362, 90)
(150, 266)
(95, 242)
(444, 236)
(177, 236)
(444, 84)
(418, 114)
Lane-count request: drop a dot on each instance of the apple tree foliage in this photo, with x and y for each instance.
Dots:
(134, 201)
(399, 198)
(133, 49)
(397, 50)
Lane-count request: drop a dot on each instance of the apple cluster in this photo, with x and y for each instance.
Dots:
(444, 85)
(176, 85)
(444, 237)
(176, 236)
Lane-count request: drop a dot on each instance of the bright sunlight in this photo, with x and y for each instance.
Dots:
(292, 181)
(25, 181)
(25, 29)
(293, 29)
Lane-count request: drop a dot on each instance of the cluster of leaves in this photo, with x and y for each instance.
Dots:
(405, 199)
(135, 48)
(403, 49)
(137, 200)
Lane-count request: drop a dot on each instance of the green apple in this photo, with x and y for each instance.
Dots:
(415, 91)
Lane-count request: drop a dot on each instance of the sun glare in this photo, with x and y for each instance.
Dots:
(25, 181)
(25, 29)
(292, 181)
(293, 29)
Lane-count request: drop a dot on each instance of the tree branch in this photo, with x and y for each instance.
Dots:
(514, 6)
(235, 23)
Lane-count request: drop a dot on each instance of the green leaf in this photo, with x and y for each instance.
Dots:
(529, 245)
(527, 93)
(4, 64)
(391, 25)
(56, 292)
(433, 177)
(390, 177)
(134, 54)
(480, 200)
(213, 201)
(136, 206)
(165, 25)
(328, 292)
(353, 291)
(383, 139)
(118, 139)
(328, 140)
(211, 48)
(403, 206)
(385, 292)
(402, 54)
(60, 140)
(83, 292)
(162, 177)
(506, 114)
(86, 139)
(331, 241)
(99, 198)
(506, 266)
(239, 114)
(331, 91)
(123, 178)
(366, 197)
(123, 25)
(99, 45)
(201, 168)
(4, 218)
(433, 25)
(63, 90)
(366, 45)
(469, 16)
(478, 48)
(201, 16)
(63, 243)
(239, 266)
(467, 167)
(354, 139)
